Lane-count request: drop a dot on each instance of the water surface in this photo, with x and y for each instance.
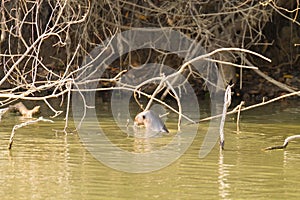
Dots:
(45, 163)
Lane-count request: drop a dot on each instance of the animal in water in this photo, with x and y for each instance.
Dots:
(21, 108)
(151, 121)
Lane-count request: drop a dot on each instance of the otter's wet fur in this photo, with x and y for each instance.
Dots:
(151, 121)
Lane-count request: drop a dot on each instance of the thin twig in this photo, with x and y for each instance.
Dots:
(235, 110)
(238, 116)
(271, 80)
(178, 103)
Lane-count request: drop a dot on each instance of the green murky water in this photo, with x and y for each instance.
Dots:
(44, 163)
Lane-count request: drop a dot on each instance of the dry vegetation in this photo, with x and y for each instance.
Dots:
(43, 43)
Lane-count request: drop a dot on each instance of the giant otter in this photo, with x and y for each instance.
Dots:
(151, 121)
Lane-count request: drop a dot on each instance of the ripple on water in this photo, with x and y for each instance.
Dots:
(45, 164)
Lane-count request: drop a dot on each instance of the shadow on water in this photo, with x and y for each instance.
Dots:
(47, 164)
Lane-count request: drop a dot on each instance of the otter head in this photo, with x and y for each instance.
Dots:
(151, 121)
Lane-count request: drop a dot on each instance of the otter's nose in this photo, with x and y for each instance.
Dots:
(139, 119)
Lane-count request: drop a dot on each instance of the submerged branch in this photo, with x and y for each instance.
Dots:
(286, 142)
(11, 139)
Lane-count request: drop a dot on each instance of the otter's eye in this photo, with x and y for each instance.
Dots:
(144, 117)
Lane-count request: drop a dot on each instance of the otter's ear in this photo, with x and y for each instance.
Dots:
(144, 117)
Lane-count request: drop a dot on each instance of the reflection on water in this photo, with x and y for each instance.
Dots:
(222, 179)
(45, 164)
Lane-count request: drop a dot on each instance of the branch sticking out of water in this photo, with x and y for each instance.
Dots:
(11, 139)
(286, 142)
(239, 107)
(227, 102)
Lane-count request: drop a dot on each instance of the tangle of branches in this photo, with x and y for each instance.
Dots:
(43, 43)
